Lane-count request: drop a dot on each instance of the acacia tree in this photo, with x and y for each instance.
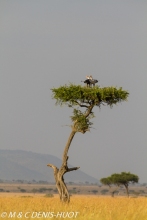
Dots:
(123, 178)
(108, 182)
(82, 100)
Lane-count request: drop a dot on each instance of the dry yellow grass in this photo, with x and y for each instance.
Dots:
(88, 207)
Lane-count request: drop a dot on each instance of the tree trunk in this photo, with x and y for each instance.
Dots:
(58, 173)
(127, 190)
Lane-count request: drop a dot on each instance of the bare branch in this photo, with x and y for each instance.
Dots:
(84, 106)
(81, 104)
(73, 168)
(54, 167)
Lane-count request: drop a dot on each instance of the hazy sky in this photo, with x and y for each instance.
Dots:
(47, 43)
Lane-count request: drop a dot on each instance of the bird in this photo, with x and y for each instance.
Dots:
(93, 81)
(87, 82)
(90, 81)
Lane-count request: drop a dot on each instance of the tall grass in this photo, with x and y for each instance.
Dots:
(95, 208)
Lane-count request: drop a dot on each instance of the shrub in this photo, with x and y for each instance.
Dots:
(94, 191)
(23, 190)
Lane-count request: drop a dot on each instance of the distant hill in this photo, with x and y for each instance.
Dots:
(27, 165)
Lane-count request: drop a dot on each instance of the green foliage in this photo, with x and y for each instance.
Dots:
(76, 93)
(106, 181)
(82, 123)
(78, 96)
(123, 178)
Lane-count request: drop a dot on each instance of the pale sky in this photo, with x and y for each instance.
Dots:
(48, 43)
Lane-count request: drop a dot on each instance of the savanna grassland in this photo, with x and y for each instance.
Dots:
(80, 208)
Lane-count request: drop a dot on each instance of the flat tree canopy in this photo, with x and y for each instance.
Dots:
(77, 94)
(106, 181)
(123, 178)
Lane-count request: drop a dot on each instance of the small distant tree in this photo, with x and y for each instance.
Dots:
(106, 181)
(80, 97)
(123, 178)
(94, 191)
